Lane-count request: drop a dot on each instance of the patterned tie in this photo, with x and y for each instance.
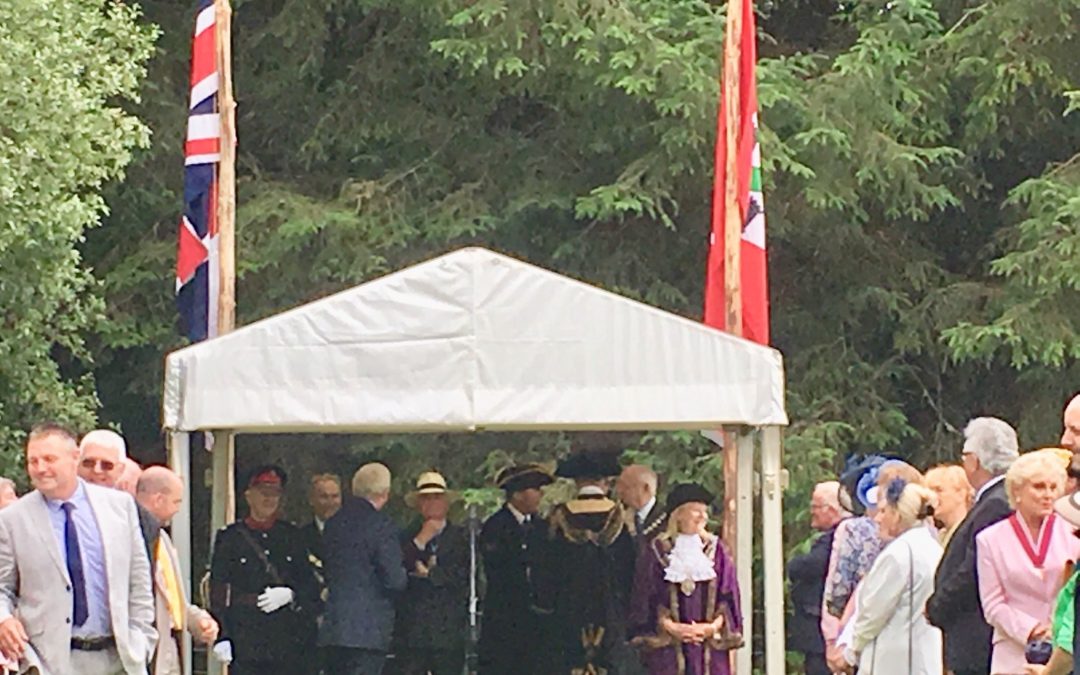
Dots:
(639, 523)
(74, 565)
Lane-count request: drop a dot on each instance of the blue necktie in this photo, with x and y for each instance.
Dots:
(74, 565)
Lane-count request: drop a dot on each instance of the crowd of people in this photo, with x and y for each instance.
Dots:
(610, 582)
(967, 569)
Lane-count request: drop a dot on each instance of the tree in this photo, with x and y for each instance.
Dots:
(66, 66)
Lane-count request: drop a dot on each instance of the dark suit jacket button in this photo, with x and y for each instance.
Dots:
(67, 620)
(67, 588)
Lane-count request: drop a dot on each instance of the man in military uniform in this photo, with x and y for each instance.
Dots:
(431, 616)
(262, 588)
(587, 571)
(512, 638)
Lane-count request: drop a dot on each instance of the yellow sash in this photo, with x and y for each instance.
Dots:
(172, 587)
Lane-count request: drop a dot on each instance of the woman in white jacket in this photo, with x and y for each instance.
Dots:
(891, 635)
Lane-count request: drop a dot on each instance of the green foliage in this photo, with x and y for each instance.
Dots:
(921, 192)
(65, 66)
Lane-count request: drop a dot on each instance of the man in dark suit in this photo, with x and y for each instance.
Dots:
(432, 615)
(364, 573)
(636, 488)
(990, 446)
(513, 635)
(324, 496)
(325, 500)
(807, 574)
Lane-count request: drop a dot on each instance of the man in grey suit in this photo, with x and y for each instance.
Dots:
(364, 574)
(65, 605)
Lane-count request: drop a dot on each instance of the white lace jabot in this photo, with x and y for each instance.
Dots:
(688, 562)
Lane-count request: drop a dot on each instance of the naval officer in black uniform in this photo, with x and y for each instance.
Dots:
(263, 591)
(512, 637)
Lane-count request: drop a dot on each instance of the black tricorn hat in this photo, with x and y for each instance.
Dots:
(522, 477)
(589, 465)
(267, 474)
(685, 493)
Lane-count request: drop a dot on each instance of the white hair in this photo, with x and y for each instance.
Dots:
(106, 438)
(371, 480)
(994, 443)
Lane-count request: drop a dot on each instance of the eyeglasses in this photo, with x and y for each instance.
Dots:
(105, 464)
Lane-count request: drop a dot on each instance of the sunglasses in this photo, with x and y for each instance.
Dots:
(105, 464)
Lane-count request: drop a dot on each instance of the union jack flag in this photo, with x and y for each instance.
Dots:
(197, 249)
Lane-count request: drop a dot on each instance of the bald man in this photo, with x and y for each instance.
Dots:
(161, 492)
(807, 574)
(636, 488)
(1070, 436)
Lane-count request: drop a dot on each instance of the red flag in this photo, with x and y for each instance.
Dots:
(752, 256)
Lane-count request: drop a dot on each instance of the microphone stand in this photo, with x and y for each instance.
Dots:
(474, 598)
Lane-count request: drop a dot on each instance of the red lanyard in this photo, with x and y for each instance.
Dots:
(1044, 545)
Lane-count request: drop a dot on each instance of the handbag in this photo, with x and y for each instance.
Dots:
(1038, 652)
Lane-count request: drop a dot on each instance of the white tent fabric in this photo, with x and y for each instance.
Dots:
(473, 340)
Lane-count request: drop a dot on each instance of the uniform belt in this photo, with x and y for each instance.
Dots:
(95, 644)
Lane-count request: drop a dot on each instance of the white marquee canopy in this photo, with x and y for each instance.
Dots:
(473, 340)
(478, 341)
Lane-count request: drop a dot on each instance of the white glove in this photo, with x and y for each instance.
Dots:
(223, 651)
(273, 599)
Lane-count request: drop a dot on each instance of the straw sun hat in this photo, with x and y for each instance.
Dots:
(430, 483)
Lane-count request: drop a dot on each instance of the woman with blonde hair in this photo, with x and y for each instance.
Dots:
(955, 495)
(1021, 561)
(890, 634)
(685, 607)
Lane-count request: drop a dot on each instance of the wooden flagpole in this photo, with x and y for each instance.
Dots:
(223, 457)
(732, 243)
(224, 511)
(226, 182)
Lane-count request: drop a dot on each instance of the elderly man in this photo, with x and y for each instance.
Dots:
(101, 457)
(161, 492)
(262, 588)
(432, 614)
(364, 574)
(807, 574)
(103, 461)
(65, 605)
(990, 447)
(636, 488)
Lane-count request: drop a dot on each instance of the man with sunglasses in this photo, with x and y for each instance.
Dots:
(102, 461)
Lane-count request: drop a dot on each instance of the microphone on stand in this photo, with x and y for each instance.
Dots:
(473, 521)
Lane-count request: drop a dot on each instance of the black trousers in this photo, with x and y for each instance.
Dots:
(349, 661)
(433, 661)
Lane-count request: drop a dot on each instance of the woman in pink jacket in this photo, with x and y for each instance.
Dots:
(1021, 560)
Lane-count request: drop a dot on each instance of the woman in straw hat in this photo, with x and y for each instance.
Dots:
(431, 618)
(685, 608)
